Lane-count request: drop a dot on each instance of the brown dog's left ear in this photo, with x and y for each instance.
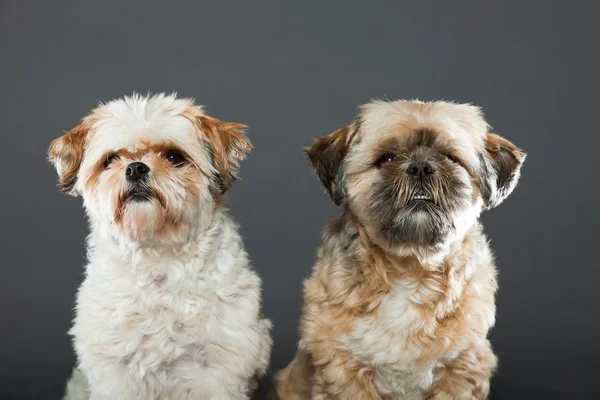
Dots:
(66, 153)
(229, 145)
(326, 157)
(502, 162)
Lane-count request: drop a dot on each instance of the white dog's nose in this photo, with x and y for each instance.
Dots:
(137, 171)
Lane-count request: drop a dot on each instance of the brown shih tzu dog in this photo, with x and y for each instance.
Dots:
(402, 295)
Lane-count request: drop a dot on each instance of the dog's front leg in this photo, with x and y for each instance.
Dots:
(114, 381)
(343, 379)
(294, 382)
(467, 377)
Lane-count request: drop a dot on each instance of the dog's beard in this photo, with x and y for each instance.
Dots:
(141, 215)
(139, 193)
(413, 212)
(420, 224)
(138, 198)
(168, 211)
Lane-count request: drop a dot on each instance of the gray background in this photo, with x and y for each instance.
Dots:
(293, 71)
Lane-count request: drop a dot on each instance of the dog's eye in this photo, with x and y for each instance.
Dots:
(175, 157)
(454, 159)
(386, 158)
(109, 159)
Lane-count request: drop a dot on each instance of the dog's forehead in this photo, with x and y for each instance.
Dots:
(137, 123)
(118, 134)
(462, 123)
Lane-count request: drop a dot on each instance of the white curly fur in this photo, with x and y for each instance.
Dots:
(158, 323)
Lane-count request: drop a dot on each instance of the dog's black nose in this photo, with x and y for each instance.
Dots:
(420, 169)
(137, 171)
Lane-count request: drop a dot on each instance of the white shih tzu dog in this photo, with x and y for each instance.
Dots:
(169, 308)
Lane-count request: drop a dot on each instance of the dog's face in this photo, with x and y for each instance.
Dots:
(149, 169)
(416, 175)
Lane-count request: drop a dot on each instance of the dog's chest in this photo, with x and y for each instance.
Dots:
(151, 319)
(383, 342)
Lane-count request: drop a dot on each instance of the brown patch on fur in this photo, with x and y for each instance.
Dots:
(326, 156)
(495, 144)
(120, 208)
(219, 202)
(145, 148)
(157, 148)
(96, 171)
(66, 153)
(295, 381)
(158, 196)
(227, 144)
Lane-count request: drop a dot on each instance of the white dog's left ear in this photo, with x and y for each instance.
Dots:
(66, 153)
(502, 165)
(228, 145)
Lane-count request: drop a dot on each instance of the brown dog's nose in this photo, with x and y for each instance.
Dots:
(420, 169)
(137, 171)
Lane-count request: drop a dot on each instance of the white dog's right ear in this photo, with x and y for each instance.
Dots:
(66, 153)
(326, 157)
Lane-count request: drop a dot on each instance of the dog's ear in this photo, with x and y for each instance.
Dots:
(326, 157)
(66, 153)
(228, 145)
(502, 169)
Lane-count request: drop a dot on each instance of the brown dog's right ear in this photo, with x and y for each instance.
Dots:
(326, 157)
(66, 153)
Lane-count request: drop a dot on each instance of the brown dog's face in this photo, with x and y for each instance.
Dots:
(149, 169)
(416, 175)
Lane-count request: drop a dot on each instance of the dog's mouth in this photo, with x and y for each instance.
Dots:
(139, 194)
(422, 196)
(421, 200)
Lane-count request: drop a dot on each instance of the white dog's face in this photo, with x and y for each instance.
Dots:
(416, 175)
(149, 169)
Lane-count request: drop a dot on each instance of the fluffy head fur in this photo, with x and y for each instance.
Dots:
(402, 295)
(366, 166)
(169, 307)
(192, 159)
